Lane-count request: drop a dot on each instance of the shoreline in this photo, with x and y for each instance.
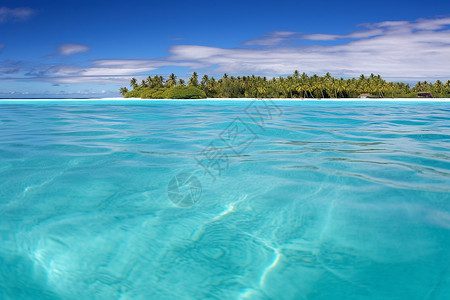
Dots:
(431, 100)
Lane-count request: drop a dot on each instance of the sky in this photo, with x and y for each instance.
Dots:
(89, 49)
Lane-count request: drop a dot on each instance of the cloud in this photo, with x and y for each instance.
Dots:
(15, 14)
(436, 24)
(84, 79)
(278, 37)
(9, 67)
(70, 49)
(98, 71)
(272, 39)
(403, 50)
(418, 49)
(103, 68)
(333, 37)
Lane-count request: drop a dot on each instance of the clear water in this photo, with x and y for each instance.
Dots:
(316, 200)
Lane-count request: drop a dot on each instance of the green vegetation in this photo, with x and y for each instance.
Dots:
(185, 92)
(156, 88)
(294, 86)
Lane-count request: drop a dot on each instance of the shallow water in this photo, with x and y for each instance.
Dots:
(294, 200)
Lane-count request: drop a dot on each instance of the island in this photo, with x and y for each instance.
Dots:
(295, 86)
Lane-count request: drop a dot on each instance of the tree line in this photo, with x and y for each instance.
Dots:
(294, 86)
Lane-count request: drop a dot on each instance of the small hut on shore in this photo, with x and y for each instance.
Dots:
(424, 95)
(364, 96)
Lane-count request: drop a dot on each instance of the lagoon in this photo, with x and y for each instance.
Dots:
(224, 199)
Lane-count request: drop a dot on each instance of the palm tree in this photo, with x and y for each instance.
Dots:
(156, 81)
(149, 81)
(205, 80)
(123, 91)
(438, 88)
(193, 81)
(181, 82)
(172, 81)
(133, 82)
(305, 76)
(211, 88)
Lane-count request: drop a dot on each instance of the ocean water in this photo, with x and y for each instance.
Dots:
(224, 200)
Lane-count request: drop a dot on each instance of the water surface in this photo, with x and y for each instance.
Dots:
(302, 200)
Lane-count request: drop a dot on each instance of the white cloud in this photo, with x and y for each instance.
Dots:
(94, 79)
(401, 50)
(333, 37)
(436, 24)
(15, 14)
(419, 49)
(272, 38)
(70, 49)
(98, 71)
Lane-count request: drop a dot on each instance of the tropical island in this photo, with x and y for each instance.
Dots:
(294, 86)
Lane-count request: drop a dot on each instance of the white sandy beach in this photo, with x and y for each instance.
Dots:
(245, 99)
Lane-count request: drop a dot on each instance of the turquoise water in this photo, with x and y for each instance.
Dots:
(302, 200)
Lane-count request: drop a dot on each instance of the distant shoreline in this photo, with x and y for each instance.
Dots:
(293, 86)
(234, 99)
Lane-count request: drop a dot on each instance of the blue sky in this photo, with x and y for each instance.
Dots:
(91, 48)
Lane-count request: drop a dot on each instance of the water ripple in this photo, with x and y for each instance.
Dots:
(330, 201)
